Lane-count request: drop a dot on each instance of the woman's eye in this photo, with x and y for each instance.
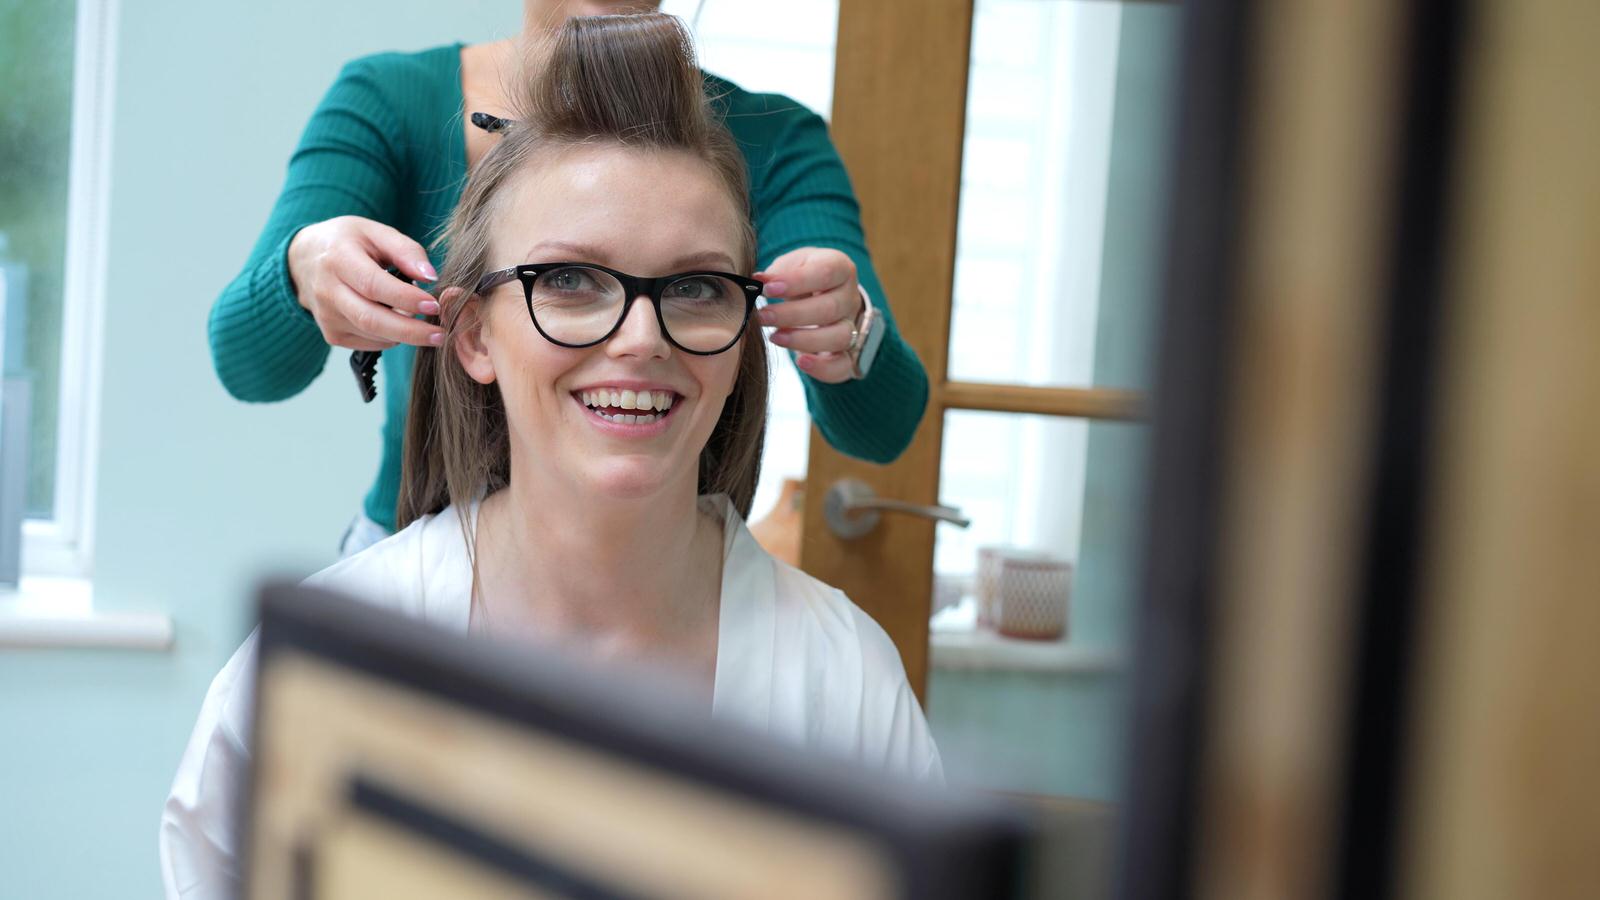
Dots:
(574, 281)
(697, 289)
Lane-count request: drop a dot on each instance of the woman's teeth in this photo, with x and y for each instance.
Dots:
(625, 419)
(655, 403)
(617, 399)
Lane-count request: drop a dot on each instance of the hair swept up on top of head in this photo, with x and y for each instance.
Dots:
(628, 80)
(632, 78)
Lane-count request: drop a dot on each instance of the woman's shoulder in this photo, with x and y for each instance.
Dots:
(853, 680)
(420, 571)
(804, 610)
(827, 616)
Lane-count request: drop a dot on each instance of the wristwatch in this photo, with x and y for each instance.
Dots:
(865, 338)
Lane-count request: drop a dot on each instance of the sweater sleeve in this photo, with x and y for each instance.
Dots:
(264, 345)
(802, 198)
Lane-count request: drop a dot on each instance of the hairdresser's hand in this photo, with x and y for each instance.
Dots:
(821, 301)
(337, 267)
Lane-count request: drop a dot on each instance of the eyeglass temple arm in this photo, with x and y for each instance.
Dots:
(496, 278)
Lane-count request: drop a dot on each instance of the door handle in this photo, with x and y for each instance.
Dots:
(852, 509)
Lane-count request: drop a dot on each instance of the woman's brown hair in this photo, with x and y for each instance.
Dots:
(616, 80)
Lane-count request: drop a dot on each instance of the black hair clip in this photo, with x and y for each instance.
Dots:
(365, 364)
(491, 124)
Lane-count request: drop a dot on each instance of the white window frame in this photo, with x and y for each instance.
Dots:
(62, 546)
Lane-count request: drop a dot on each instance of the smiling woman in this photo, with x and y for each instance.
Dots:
(687, 335)
(583, 444)
(616, 159)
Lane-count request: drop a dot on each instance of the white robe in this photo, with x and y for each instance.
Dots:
(795, 659)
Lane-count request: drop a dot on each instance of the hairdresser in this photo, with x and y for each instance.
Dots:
(379, 168)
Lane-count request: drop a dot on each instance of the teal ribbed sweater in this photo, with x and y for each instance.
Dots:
(386, 143)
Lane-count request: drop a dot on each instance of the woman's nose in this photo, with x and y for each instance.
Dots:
(640, 334)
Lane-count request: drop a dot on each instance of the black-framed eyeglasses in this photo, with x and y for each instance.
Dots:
(582, 304)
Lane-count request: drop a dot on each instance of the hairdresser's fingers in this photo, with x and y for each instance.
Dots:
(371, 281)
(356, 342)
(808, 270)
(833, 368)
(332, 261)
(374, 321)
(828, 338)
(838, 305)
(389, 246)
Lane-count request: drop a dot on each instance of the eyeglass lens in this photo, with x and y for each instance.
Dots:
(580, 305)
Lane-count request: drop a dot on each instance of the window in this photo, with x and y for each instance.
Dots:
(1027, 276)
(55, 65)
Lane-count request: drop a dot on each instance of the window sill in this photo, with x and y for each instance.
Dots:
(981, 651)
(956, 643)
(46, 612)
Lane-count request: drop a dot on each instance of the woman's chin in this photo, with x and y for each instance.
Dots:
(629, 478)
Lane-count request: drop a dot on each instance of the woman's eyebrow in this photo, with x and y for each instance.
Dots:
(706, 258)
(580, 252)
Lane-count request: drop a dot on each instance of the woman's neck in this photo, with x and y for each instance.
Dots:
(622, 574)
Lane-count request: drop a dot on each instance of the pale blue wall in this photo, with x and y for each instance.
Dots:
(197, 493)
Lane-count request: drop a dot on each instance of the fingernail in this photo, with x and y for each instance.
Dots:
(780, 339)
(804, 362)
(765, 316)
(429, 307)
(775, 288)
(436, 338)
(428, 272)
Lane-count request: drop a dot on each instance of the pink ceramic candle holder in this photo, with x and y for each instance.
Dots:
(1032, 595)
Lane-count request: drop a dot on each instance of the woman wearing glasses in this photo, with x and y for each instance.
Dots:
(585, 440)
(379, 168)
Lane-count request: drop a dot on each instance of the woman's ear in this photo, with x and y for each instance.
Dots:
(467, 340)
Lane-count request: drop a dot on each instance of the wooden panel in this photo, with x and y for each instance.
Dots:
(899, 114)
(1086, 403)
(1507, 800)
(1315, 226)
